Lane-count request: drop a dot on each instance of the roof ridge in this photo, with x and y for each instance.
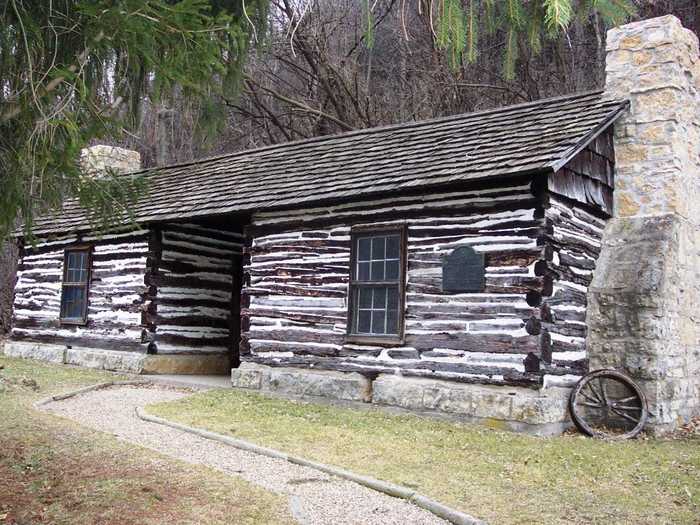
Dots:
(372, 130)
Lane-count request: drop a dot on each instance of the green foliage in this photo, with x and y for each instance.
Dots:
(72, 71)
(557, 15)
(472, 32)
(369, 24)
(451, 32)
(520, 22)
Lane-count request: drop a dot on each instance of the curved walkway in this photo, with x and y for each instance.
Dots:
(314, 497)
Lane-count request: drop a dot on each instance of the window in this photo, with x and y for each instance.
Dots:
(376, 284)
(76, 275)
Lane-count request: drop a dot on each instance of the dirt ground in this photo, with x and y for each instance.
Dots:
(54, 471)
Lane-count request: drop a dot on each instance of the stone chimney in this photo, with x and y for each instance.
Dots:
(96, 160)
(644, 301)
(164, 131)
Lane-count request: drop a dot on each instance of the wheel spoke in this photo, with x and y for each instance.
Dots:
(589, 398)
(602, 389)
(593, 405)
(626, 416)
(625, 407)
(626, 399)
(594, 392)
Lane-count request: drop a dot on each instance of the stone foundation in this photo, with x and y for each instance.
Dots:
(540, 412)
(39, 351)
(116, 361)
(187, 364)
(297, 382)
(131, 362)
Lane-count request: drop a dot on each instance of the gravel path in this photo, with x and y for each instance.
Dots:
(314, 497)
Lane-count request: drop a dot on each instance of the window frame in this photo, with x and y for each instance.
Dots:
(80, 321)
(354, 284)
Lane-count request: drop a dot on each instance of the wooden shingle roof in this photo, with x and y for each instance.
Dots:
(536, 136)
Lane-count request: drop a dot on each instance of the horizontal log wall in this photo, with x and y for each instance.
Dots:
(575, 237)
(116, 293)
(190, 305)
(297, 270)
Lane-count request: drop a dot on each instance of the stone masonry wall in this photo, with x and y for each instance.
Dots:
(644, 302)
(98, 159)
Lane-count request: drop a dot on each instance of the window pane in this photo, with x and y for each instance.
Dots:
(377, 248)
(76, 267)
(363, 321)
(82, 273)
(72, 302)
(363, 249)
(392, 247)
(363, 271)
(392, 314)
(377, 270)
(379, 298)
(393, 298)
(392, 322)
(378, 321)
(376, 308)
(72, 264)
(392, 270)
(365, 300)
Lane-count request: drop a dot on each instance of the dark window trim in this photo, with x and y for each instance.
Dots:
(365, 230)
(83, 320)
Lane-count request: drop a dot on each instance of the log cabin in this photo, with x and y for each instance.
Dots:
(456, 250)
(473, 266)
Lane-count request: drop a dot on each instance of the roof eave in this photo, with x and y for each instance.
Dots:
(590, 136)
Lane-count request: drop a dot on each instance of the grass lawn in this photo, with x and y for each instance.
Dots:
(54, 471)
(497, 476)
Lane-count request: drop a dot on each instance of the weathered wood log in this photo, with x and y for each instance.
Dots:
(302, 334)
(176, 339)
(489, 343)
(174, 281)
(512, 378)
(81, 341)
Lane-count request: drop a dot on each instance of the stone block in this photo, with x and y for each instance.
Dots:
(248, 375)
(398, 392)
(40, 351)
(296, 382)
(131, 362)
(113, 360)
(542, 411)
(346, 386)
(493, 402)
(546, 408)
(192, 364)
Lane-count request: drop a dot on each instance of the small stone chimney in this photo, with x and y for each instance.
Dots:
(644, 301)
(96, 160)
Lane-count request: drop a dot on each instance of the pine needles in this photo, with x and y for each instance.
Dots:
(458, 23)
(72, 71)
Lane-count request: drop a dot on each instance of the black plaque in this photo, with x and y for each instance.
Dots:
(463, 271)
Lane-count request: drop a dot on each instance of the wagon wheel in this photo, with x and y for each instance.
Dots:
(608, 404)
